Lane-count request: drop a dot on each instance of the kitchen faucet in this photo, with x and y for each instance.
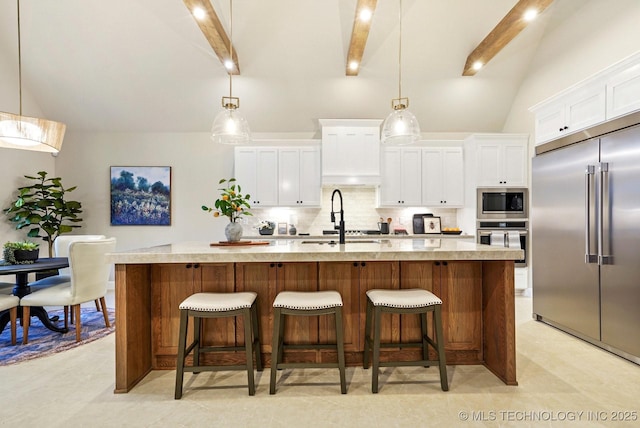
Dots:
(333, 215)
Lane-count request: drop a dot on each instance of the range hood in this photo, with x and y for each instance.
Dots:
(350, 152)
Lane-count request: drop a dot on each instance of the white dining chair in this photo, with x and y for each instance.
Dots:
(89, 275)
(10, 303)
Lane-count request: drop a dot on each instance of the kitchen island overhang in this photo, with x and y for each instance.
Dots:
(474, 281)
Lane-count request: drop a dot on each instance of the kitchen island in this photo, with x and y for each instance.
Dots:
(475, 282)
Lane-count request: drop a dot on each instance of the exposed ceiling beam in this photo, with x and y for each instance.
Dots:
(213, 31)
(359, 35)
(507, 29)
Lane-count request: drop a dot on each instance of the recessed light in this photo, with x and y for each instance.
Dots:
(199, 13)
(365, 15)
(353, 65)
(477, 65)
(530, 15)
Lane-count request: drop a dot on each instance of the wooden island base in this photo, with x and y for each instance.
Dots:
(478, 309)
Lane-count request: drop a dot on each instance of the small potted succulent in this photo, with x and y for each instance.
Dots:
(266, 227)
(20, 253)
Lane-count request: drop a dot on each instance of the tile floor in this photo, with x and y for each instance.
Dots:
(562, 382)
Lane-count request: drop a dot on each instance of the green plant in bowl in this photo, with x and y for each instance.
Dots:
(19, 253)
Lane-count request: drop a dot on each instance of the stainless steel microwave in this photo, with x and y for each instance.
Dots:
(503, 203)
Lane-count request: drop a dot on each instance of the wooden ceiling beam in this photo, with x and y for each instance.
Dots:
(506, 30)
(213, 31)
(359, 35)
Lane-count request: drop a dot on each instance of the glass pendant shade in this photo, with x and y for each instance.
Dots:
(230, 127)
(30, 133)
(400, 127)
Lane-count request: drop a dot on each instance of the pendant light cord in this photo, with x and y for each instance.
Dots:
(400, 56)
(231, 47)
(19, 59)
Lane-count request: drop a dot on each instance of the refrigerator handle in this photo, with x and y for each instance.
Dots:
(604, 238)
(589, 212)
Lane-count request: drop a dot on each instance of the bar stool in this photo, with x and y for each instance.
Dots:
(306, 304)
(218, 305)
(409, 301)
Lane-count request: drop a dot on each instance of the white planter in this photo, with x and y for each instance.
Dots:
(233, 232)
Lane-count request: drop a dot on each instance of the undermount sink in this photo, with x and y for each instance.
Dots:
(348, 241)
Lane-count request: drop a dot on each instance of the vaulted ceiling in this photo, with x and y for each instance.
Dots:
(145, 66)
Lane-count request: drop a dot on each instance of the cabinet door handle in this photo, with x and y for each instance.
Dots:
(279, 265)
(355, 264)
(196, 265)
(363, 264)
(437, 263)
(445, 264)
(272, 265)
(188, 266)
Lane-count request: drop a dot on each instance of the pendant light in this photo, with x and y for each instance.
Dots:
(29, 133)
(401, 126)
(229, 126)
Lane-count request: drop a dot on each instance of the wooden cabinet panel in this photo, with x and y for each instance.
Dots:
(218, 278)
(460, 289)
(338, 276)
(380, 275)
(416, 274)
(298, 277)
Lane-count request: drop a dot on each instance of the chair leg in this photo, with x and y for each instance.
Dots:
(104, 312)
(98, 302)
(13, 315)
(444, 383)
(367, 334)
(340, 349)
(26, 320)
(182, 344)
(65, 310)
(275, 351)
(248, 343)
(76, 310)
(376, 349)
(256, 336)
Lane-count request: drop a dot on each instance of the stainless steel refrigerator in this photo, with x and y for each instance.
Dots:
(585, 225)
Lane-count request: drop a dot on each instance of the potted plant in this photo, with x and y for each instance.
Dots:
(20, 253)
(266, 227)
(42, 207)
(232, 204)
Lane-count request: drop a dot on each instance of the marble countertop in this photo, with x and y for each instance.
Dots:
(296, 250)
(348, 236)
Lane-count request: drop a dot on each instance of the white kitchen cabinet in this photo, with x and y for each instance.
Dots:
(256, 170)
(299, 176)
(401, 177)
(623, 90)
(501, 160)
(350, 151)
(582, 108)
(442, 177)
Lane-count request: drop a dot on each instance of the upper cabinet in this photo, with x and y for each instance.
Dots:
(442, 177)
(584, 108)
(299, 176)
(422, 176)
(500, 159)
(350, 151)
(401, 172)
(611, 93)
(256, 170)
(279, 176)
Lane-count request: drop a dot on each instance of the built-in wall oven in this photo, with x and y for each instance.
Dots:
(503, 232)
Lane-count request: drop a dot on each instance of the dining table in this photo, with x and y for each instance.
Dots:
(22, 287)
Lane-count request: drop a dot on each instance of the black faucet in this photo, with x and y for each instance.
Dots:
(333, 215)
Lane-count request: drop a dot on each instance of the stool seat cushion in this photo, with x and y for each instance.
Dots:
(409, 298)
(307, 300)
(218, 302)
(8, 302)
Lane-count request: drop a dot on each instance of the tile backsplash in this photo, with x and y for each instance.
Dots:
(360, 212)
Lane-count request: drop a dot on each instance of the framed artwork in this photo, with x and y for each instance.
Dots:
(282, 228)
(431, 224)
(140, 195)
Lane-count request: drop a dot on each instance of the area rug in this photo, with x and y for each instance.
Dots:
(43, 342)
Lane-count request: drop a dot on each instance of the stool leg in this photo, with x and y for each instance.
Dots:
(182, 344)
(256, 336)
(424, 330)
(367, 334)
(197, 324)
(376, 349)
(275, 351)
(248, 345)
(444, 383)
(340, 349)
